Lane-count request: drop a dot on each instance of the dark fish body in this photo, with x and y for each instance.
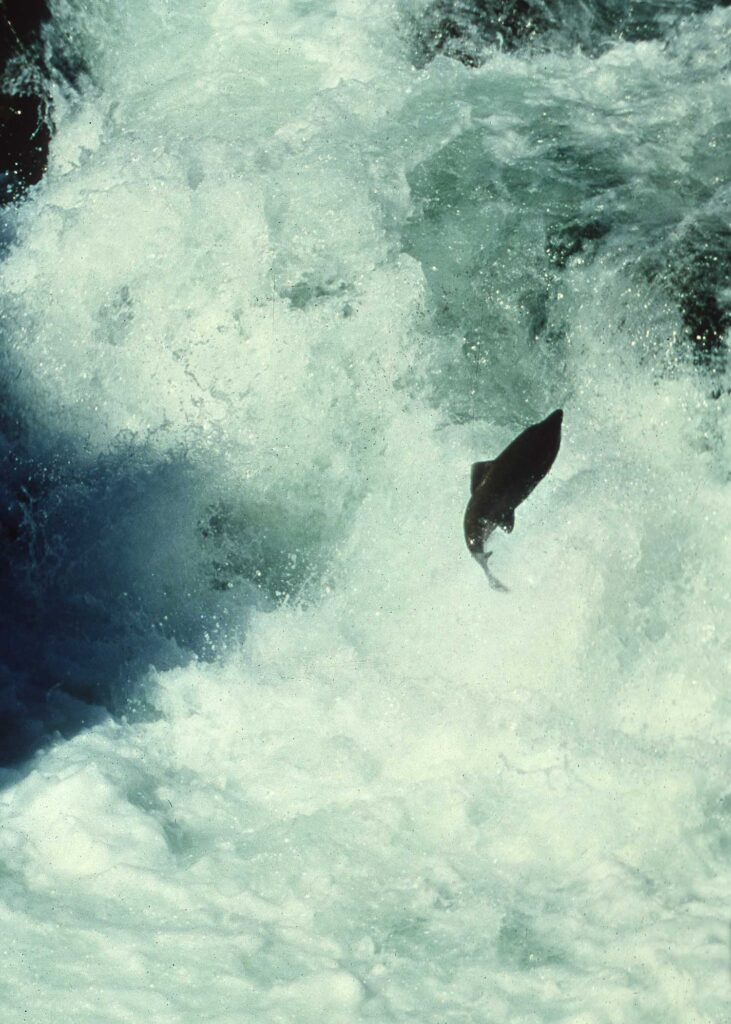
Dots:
(500, 485)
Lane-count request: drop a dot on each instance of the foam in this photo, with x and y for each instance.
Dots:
(385, 792)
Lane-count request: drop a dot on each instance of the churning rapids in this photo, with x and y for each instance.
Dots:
(273, 750)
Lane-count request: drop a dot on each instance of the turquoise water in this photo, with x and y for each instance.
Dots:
(285, 279)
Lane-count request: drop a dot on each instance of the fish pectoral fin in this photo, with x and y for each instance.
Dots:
(479, 472)
(508, 522)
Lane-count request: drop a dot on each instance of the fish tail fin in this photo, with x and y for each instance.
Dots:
(494, 582)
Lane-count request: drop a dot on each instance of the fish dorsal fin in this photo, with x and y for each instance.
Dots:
(508, 522)
(479, 472)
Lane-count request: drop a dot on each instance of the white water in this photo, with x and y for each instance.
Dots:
(292, 282)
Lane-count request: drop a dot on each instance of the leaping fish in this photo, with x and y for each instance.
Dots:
(501, 484)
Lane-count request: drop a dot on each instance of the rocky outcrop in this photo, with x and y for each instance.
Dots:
(24, 103)
(467, 29)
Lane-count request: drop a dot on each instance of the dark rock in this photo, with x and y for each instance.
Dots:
(20, 25)
(466, 29)
(24, 103)
(24, 139)
(700, 271)
(463, 29)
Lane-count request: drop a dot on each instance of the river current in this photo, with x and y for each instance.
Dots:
(274, 750)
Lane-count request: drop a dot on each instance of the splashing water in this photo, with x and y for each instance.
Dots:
(282, 283)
